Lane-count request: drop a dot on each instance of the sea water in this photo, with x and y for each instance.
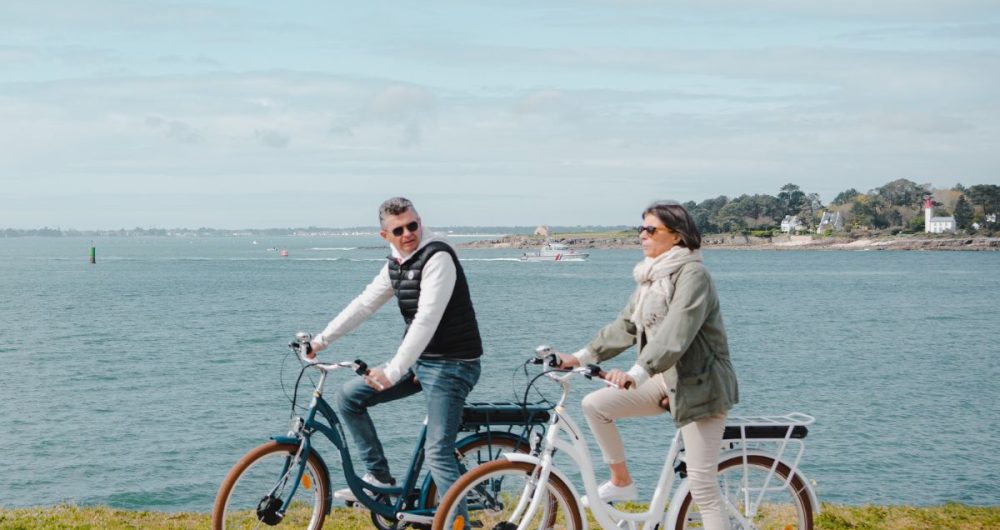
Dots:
(138, 381)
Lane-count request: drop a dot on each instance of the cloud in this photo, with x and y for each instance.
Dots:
(399, 103)
(540, 101)
(920, 122)
(117, 14)
(411, 135)
(17, 55)
(272, 138)
(175, 130)
(700, 123)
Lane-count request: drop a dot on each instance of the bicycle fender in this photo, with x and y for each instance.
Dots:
(534, 460)
(813, 500)
(292, 440)
(684, 487)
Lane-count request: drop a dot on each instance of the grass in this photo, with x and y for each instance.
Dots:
(834, 517)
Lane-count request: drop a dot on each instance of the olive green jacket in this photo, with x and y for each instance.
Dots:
(688, 346)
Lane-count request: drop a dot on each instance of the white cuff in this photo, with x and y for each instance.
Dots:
(585, 357)
(392, 373)
(318, 344)
(639, 374)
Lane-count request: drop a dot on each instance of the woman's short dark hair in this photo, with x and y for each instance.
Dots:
(676, 218)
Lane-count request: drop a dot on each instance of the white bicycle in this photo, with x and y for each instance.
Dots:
(761, 483)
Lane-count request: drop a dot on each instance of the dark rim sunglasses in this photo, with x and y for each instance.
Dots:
(411, 228)
(651, 230)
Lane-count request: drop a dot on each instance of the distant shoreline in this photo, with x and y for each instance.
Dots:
(731, 242)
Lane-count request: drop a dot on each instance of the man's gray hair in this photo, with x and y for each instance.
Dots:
(394, 206)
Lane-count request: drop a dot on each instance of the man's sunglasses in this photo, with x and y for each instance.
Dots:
(651, 230)
(411, 228)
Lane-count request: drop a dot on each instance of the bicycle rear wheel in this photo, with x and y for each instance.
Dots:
(780, 504)
(255, 487)
(492, 492)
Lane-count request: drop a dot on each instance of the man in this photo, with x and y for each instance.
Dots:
(439, 353)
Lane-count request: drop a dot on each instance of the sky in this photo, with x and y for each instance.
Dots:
(253, 114)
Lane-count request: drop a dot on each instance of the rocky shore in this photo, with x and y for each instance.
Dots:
(584, 241)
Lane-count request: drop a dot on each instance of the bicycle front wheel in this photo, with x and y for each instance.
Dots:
(493, 493)
(769, 501)
(258, 485)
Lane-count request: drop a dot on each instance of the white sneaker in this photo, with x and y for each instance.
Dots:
(347, 495)
(608, 492)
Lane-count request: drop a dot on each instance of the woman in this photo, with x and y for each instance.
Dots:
(683, 364)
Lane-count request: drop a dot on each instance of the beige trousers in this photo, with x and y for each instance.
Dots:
(702, 440)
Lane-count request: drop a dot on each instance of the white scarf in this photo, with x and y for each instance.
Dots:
(653, 276)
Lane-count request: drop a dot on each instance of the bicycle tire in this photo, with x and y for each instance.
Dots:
(560, 511)
(773, 511)
(471, 455)
(238, 502)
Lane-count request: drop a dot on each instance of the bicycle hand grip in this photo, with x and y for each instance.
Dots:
(596, 371)
(360, 367)
(303, 348)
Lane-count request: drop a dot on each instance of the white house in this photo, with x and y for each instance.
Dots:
(937, 225)
(990, 218)
(791, 223)
(830, 221)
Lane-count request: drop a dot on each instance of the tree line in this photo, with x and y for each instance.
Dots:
(898, 206)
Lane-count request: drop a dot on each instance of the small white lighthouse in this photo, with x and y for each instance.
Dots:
(936, 225)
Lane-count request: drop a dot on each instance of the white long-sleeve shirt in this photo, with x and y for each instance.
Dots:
(436, 286)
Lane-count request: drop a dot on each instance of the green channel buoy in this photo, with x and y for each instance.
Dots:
(93, 253)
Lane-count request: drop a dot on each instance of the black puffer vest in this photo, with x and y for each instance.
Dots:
(457, 335)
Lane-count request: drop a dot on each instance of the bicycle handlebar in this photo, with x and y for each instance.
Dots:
(547, 356)
(302, 348)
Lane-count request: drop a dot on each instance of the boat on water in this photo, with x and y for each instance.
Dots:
(554, 252)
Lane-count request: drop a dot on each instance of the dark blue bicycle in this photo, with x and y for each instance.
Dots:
(285, 482)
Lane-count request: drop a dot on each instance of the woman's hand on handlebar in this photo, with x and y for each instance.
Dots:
(619, 378)
(567, 360)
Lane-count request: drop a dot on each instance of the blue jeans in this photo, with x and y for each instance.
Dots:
(445, 385)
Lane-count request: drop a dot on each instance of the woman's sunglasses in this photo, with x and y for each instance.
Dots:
(411, 228)
(651, 230)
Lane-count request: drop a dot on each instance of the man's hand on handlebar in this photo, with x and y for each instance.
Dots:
(312, 349)
(303, 346)
(376, 379)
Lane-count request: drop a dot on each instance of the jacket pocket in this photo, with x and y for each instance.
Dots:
(696, 390)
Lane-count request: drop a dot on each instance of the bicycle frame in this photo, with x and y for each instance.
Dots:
(313, 421)
(575, 445)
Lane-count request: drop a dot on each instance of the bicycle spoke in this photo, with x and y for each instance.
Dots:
(758, 495)
(259, 486)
